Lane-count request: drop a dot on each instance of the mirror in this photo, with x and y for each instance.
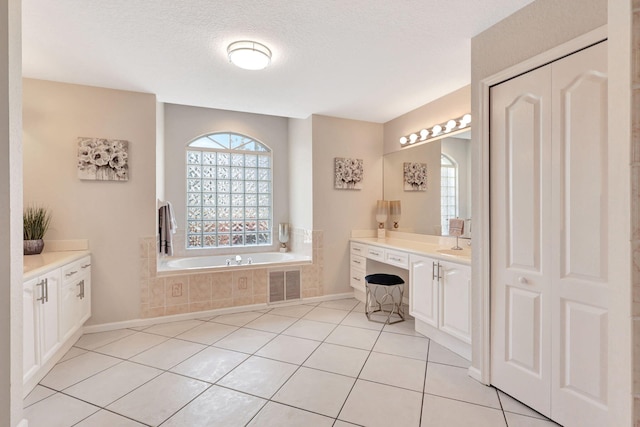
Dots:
(421, 209)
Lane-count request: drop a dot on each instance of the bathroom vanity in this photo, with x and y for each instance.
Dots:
(438, 280)
(56, 303)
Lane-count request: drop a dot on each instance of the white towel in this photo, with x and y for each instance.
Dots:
(167, 227)
(456, 227)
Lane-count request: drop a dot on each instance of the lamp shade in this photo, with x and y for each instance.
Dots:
(249, 55)
(382, 210)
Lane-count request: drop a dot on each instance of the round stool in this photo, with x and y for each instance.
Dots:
(384, 295)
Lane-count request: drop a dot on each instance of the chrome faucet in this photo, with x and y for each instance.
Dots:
(228, 262)
(249, 260)
(238, 260)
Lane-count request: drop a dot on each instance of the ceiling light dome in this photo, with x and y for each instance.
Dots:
(249, 55)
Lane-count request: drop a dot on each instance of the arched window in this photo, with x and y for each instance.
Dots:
(448, 191)
(229, 196)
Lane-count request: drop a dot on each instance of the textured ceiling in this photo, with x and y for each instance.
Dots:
(369, 60)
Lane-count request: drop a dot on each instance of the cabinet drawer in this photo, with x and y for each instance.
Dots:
(358, 262)
(374, 252)
(358, 249)
(356, 279)
(399, 259)
(76, 269)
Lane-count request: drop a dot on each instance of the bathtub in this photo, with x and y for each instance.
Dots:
(219, 262)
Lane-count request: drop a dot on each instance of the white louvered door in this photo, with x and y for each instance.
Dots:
(549, 238)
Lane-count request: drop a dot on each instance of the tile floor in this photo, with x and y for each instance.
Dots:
(304, 365)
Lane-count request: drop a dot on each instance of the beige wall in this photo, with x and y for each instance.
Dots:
(185, 123)
(337, 212)
(112, 215)
(10, 214)
(301, 173)
(450, 106)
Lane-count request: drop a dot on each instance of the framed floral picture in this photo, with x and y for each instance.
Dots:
(103, 159)
(348, 174)
(415, 176)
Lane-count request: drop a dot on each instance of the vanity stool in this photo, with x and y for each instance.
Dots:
(384, 294)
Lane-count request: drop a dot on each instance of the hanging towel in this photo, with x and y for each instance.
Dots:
(456, 227)
(167, 226)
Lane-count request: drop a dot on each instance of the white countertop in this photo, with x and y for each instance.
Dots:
(34, 265)
(435, 249)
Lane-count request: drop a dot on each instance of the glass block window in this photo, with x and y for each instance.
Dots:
(229, 192)
(448, 191)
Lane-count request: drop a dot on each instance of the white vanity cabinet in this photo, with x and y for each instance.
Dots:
(455, 299)
(423, 292)
(40, 320)
(56, 304)
(358, 266)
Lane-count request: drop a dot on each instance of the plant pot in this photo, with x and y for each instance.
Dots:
(33, 247)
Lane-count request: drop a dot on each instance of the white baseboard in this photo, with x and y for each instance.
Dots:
(476, 374)
(135, 323)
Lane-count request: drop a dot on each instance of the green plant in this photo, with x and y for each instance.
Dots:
(36, 221)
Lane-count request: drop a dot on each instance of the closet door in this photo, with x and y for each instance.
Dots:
(579, 250)
(521, 237)
(549, 238)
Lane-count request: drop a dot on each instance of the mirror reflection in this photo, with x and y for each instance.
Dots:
(426, 209)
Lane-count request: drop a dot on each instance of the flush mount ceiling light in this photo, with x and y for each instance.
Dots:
(249, 55)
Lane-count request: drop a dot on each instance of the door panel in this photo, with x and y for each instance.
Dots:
(523, 334)
(580, 288)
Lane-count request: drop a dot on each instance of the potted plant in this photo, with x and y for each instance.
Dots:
(36, 221)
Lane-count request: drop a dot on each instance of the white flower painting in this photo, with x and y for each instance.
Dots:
(415, 176)
(103, 159)
(348, 174)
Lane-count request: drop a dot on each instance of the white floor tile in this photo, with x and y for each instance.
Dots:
(455, 383)
(210, 364)
(292, 311)
(237, 319)
(340, 304)
(36, 395)
(77, 369)
(310, 329)
(359, 308)
(438, 411)
(217, 407)
(207, 333)
(509, 404)
(517, 420)
(395, 370)
(439, 354)
(259, 376)
(113, 383)
(353, 337)
(271, 323)
(73, 352)
(128, 347)
(340, 423)
(105, 418)
(326, 396)
(98, 339)
(338, 359)
(172, 329)
(328, 315)
(168, 354)
(359, 320)
(288, 349)
(158, 399)
(245, 340)
(58, 411)
(377, 405)
(277, 415)
(408, 327)
(402, 345)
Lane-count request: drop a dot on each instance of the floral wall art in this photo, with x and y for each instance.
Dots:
(415, 176)
(103, 159)
(348, 174)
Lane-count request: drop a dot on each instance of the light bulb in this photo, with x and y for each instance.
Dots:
(424, 134)
(413, 138)
(450, 125)
(436, 130)
(403, 140)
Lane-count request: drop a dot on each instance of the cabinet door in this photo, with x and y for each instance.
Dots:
(69, 308)
(85, 301)
(455, 299)
(423, 291)
(49, 333)
(30, 337)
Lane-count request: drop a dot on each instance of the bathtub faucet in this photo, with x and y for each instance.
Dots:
(238, 260)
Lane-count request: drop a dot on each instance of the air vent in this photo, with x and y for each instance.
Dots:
(284, 285)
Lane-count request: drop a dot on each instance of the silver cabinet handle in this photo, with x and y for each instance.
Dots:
(523, 280)
(80, 294)
(46, 287)
(435, 271)
(356, 279)
(355, 261)
(71, 273)
(42, 298)
(86, 266)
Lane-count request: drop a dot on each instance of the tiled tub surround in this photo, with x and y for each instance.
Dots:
(164, 295)
(303, 365)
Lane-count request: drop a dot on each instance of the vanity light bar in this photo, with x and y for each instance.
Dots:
(436, 131)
